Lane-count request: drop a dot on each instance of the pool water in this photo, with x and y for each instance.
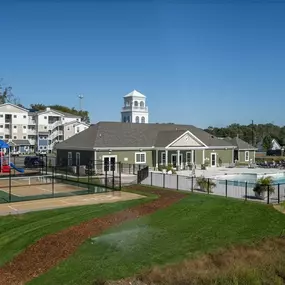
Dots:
(242, 179)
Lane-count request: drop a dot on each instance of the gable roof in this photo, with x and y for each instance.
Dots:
(57, 112)
(240, 144)
(16, 106)
(131, 135)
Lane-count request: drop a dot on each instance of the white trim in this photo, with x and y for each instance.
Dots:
(109, 156)
(181, 136)
(95, 161)
(140, 162)
(203, 156)
(246, 153)
(213, 153)
(123, 148)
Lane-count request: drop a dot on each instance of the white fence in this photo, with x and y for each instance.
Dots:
(234, 189)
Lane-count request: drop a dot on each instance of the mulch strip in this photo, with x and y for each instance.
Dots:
(52, 249)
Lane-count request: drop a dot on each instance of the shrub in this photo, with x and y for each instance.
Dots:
(263, 185)
(205, 184)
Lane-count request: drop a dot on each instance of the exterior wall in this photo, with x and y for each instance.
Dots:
(72, 129)
(241, 156)
(85, 156)
(226, 156)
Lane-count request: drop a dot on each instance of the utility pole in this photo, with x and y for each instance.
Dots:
(80, 102)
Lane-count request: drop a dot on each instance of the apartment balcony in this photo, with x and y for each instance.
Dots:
(32, 122)
(32, 131)
(54, 125)
(135, 108)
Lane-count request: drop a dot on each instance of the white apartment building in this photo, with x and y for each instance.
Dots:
(28, 131)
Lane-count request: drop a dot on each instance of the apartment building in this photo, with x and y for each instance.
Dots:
(28, 130)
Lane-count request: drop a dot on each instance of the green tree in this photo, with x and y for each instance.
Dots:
(267, 142)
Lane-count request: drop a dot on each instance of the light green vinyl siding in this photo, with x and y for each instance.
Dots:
(241, 156)
(130, 155)
(225, 156)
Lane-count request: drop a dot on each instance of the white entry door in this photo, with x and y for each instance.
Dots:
(213, 159)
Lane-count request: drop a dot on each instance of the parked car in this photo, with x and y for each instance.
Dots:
(33, 161)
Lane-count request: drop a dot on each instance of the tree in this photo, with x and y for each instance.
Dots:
(83, 114)
(267, 142)
(8, 97)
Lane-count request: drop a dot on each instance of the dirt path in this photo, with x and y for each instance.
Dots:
(51, 249)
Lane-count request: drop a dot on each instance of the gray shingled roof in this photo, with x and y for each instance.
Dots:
(116, 134)
(19, 142)
(240, 144)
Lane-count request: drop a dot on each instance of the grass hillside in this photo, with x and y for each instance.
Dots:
(195, 226)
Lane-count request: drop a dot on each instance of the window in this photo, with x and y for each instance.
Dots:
(24, 137)
(141, 104)
(246, 154)
(143, 120)
(15, 127)
(45, 117)
(78, 158)
(15, 137)
(24, 127)
(45, 127)
(136, 104)
(7, 136)
(15, 116)
(163, 158)
(1, 137)
(188, 158)
(68, 129)
(1, 126)
(140, 157)
(1, 116)
(69, 158)
(24, 116)
(78, 129)
(137, 119)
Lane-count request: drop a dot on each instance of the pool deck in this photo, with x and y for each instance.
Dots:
(215, 172)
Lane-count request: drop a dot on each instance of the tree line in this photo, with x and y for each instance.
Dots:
(7, 96)
(253, 134)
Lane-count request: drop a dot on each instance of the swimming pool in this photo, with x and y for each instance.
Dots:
(249, 178)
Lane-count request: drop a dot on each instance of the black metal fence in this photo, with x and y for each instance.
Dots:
(142, 174)
(270, 194)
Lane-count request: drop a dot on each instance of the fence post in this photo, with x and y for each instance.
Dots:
(10, 185)
(163, 180)
(113, 178)
(106, 177)
(226, 188)
(192, 184)
(245, 190)
(177, 182)
(120, 176)
(208, 186)
(46, 164)
(278, 190)
(52, 181)
(268, 194)
(151, 178)
(129, 168)
(134, 169)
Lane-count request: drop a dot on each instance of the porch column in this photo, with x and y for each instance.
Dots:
(178, 159)
(156, 159)
(166, 157)
(95, 161)
(253, 157)
(203, 159)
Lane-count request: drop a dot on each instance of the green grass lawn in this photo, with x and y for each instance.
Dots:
(197, 224)
(19, 231)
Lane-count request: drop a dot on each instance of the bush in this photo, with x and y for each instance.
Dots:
(263, 185)
(167, 168)
(205, 184)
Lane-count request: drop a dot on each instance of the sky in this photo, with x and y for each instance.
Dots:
(206, 62)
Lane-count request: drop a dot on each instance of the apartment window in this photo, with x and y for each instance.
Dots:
(24, 116)
(15, 116)
(1, 126)
(24, 137)
(24, 127)
(15, 137)
(45, 117)
(140, 157)
(246, 154)
(45, 127)
(15, 127)
(78, 129)
(7, 136)
(68, 129)
(1, 137)
(163, 158)
(1, 116)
